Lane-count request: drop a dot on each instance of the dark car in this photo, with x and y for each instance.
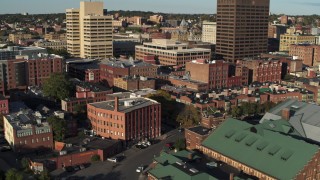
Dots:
(68, 169)
(5, 148)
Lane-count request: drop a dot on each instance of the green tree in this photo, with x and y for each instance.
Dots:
(44, 175)
(180, 144)
(169, 107)
(58, 127)
(14, 174)
(57, 86)
(95, 158)
(25, 163)
(236, 112)
(189, 116)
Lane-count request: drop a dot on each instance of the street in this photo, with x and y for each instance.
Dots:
(126, 169)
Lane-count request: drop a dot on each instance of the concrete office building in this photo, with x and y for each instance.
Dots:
(126, 119)
(89, 31)
(288, 39)
(209, 31)
(242, 28)
(171, 53)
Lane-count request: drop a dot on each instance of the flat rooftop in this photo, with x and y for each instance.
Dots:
(125, 63)
(200, 130)
(125, 105)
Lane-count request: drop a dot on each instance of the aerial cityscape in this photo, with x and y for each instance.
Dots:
(160, 90)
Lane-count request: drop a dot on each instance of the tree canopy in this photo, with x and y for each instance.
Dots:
(189, 116)
(57, 86)
(59, 127)
(14, 174)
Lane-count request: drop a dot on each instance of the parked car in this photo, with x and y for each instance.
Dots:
(5, 148)
(68, 169)
(82, 166)
(212, 164)
(140, 169)
(169, 144)
(113, 159)
(76, 168)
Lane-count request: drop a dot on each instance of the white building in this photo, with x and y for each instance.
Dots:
(209, 31)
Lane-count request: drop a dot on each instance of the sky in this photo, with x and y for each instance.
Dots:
(290, 7)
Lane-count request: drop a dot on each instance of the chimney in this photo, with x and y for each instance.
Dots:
(285, 114)
(190, 156)
(116, 103)
(231, 177)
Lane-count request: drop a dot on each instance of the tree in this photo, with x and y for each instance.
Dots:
(236, 112)
(95, 158)
(58, 127)
(14, 174)
(189, 116)
(57, 86)
(44, 175)
(25, 163)
(180, 144)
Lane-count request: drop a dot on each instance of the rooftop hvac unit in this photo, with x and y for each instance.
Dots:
(63, 153)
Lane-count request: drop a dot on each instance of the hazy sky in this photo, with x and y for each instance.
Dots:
(170, 6)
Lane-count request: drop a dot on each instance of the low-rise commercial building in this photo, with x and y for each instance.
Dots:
(55, 45)
(85, 93)
(15, 38)
(195, 135)
(126, 119)
(111, 69)
(171, 53)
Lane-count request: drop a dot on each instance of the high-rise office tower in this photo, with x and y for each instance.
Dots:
(242, 28)
(89, 31)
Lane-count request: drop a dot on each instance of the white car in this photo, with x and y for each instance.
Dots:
(140, 169)
(113, 159)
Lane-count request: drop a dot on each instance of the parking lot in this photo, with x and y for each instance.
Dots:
(124, 169)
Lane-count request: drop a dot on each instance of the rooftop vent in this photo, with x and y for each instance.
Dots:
(286, 155)
(240, 137)
(274, 150)
(229, 134)
(193, 170)
(251, 141)
(262, 145)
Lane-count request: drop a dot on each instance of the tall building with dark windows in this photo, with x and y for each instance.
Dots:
(242, 28)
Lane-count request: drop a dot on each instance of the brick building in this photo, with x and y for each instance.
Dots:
(84, 70)
(4, 105)
(28, 71)
(134, 83)
(25, 131)
(85, 93)
(262, 70)
(309, 54)
(126, 119)
(277, 154)
(195, 135)
(122, 68)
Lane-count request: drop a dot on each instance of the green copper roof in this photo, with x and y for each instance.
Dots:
(173, 172)
(170, 158)
(269, 148)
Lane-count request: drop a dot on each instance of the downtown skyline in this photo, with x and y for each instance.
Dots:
(295, 7)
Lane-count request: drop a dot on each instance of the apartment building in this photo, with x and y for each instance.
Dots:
(26, 131)
(242, 28)
(262, 70)
(288, 39)
(24, 71)
(171, 53)
(309, 54)
(134, 83)
(209, 32)
(89, 31)
(126, 119)
(55, 37)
